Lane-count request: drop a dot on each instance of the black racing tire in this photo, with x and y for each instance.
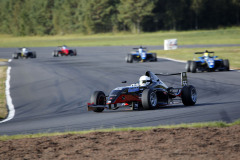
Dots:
(126, 59)
(71, 53)
(187, 67)
(15, 55)
(19, 55)
(154, 55)
(75, 52)
(98, 98)
(226, 64)
(193, 67)
(54, 54)
(34, 55)
(189, 95)
(130, 58)
(149, 99)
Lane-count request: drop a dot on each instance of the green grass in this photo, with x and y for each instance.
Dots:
(231, 53)
(3, 109)
(191, 125)
(220, 36)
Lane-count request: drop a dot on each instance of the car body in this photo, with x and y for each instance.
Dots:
(64, 51)
(207, 62)
(140, 55)
(152, 96)
(24, 53)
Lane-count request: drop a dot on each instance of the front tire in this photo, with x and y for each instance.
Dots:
(71, 53)
(129, 58)
(54, 54)
(189, 95)
(149, 99)
(15, 55)
(98, 98)
(75, 52)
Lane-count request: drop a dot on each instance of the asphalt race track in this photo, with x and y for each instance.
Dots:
(50, 93)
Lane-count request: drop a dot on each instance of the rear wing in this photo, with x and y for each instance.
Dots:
(141, 48)
(184, 80)
(210, 54)
(202, 52)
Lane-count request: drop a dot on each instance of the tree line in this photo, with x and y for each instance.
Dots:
(50, 17)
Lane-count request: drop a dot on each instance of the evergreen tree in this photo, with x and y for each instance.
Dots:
(132, 12)
(197, 6)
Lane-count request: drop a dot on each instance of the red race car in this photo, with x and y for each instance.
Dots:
(64, 51)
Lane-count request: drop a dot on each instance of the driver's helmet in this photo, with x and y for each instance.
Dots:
(142, 81)
(24, 50)
(205, 54)
(64, 47)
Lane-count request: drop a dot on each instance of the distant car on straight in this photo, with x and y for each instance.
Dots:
(149, 93)
(141, 55)
(64, 51)
(207, 62)
(24, 53)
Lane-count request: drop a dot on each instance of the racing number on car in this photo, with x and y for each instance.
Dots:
(184, 79)
(184, 83)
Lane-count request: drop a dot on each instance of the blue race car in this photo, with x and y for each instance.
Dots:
(141, 55)
(207, 62)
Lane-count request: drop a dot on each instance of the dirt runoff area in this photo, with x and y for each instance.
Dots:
(180, 143)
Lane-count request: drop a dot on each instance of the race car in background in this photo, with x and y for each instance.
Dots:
(140, 55)
(24, 53)
(149, 93)
(64, 51)
(207, 62)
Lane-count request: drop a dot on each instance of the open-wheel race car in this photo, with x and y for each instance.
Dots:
(149, 93)
(140, 55)
(64, 51)
(24, 53)
(207, 62)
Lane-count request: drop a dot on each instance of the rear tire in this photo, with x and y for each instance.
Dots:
(193, 67)
(187, 67)
(189, 95)
(149, 99)
(226, 64)
(98, 98)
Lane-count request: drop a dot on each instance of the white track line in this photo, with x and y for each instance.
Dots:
(10, 105)
(173, 60)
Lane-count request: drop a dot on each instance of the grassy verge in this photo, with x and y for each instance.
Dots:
(191, 125)
(231, 53)
(220, 36)
(3, 109)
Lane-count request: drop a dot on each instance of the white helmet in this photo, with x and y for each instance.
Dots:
(24, 50)
(142, 81)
